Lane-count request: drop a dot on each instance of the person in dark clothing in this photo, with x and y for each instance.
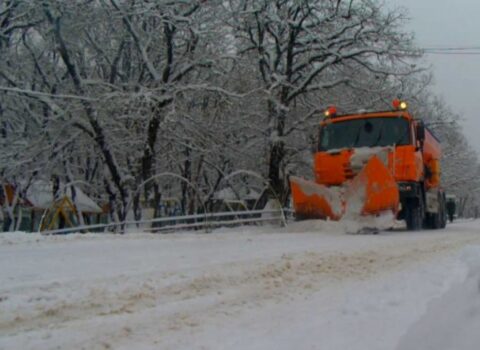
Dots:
(451, 207)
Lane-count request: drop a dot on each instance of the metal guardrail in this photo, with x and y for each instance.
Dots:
(174, 223)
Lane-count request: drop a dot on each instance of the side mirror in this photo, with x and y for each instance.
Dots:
(420, 132)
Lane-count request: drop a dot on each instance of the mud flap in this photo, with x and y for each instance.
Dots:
(371, 192)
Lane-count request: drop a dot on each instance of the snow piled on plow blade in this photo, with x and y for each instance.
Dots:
(314, 201)
(372, 194)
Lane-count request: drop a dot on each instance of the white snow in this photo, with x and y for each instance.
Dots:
(306, 286)
(361, 156)
(40, 195)
(453, 318)
(229, 194)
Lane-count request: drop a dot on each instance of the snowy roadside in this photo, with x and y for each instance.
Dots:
(451, 321)
(256, 289)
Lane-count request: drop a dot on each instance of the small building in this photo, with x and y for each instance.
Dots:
(38, 209)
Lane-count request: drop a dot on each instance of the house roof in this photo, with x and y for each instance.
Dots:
(40, 195)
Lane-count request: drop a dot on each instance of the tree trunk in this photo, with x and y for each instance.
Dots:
(277, 152)
(276, 174)
(187, 174)
(137, 210)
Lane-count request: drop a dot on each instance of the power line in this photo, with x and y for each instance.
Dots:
(450, 50)
(447, 48)
(459, 53)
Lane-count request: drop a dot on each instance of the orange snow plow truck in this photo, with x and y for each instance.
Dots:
(371, 164)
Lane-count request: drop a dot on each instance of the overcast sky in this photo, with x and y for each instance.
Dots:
(443, 23)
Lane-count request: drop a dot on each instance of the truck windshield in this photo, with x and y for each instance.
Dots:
(368, 132)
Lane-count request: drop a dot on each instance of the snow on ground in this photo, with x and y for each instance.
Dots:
(307, 286)
(451, 321)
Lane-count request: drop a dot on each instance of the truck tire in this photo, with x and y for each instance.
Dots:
(437, 220)
(429, 222)
(434, 221)
(414, 215)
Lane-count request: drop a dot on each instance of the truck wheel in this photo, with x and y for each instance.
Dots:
(439, 220)
(435, 220)
(429, 221)
(414, 215)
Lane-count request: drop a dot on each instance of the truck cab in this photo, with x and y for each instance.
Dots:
(409, 151)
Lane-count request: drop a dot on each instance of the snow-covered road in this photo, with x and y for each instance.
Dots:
(307, 286)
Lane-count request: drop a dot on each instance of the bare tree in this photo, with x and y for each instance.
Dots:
(303, 47)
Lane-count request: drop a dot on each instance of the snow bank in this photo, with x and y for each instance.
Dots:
(359, 224)
(350, 224)
(453, 320)
(17, 237)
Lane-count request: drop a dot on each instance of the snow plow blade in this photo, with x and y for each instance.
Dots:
(314, 201)
(372, 192)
